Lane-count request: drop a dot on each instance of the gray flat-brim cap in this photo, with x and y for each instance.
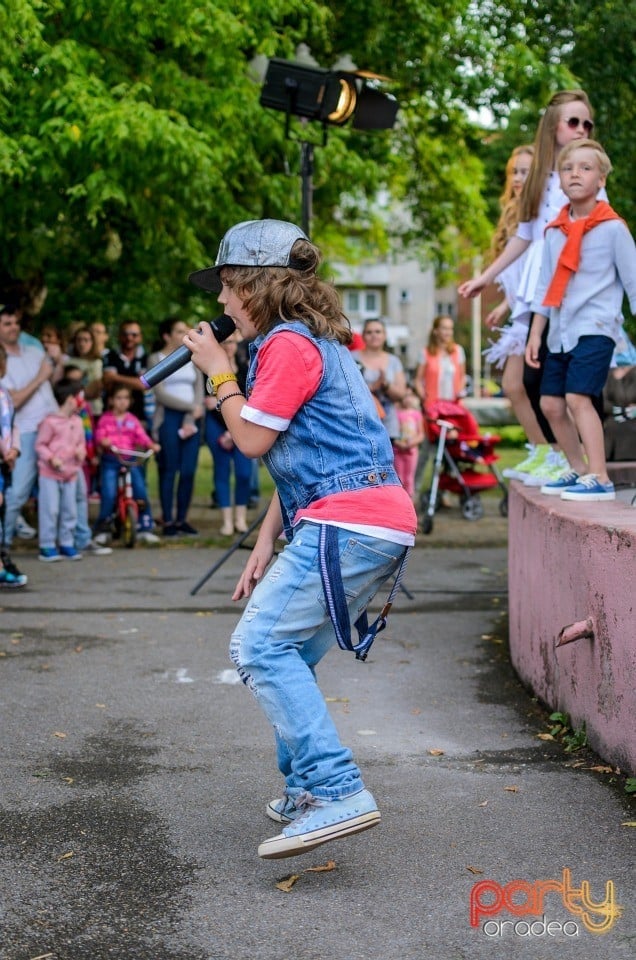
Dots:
(253, 243)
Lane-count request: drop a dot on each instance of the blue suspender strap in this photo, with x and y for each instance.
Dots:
(336, 601)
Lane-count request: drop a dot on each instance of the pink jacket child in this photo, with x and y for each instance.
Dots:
(120, 428)
(60, 446)
(61, 450)
(124, 431)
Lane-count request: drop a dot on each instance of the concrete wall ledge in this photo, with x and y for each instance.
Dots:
(572, 578)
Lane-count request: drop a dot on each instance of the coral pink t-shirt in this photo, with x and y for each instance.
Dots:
(289, 372)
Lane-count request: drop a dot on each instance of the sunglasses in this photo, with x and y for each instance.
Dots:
(575, 122)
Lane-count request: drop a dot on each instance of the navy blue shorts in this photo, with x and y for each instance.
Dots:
(583, 370)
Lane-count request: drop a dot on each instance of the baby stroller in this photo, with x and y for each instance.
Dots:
(461, 456)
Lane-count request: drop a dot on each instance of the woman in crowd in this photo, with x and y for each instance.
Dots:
(176, 427)
(227, 456)
(383, 373)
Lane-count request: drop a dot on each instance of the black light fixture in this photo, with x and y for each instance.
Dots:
(330, 97)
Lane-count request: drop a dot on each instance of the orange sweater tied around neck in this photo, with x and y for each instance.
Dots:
(570, 256)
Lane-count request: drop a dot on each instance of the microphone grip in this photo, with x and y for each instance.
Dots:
(222, 328)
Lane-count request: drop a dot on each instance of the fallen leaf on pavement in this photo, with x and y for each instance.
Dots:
(65, 856)
(512, 789)
(628, 823)
(60, 735)
(545, 736)
(601, 769)
(329, 865)
(474, 869)
(288, 882)
(436, 752)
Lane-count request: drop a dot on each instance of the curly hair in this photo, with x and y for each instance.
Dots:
(509, 203)
(274, 294)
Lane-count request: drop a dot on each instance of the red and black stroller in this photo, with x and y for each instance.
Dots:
(464, 462)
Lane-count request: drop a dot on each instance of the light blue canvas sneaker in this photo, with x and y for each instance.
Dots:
(282, 810)
(554, 488)
(589, 487)
(320, 821)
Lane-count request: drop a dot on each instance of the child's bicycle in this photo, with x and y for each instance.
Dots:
(126, 516)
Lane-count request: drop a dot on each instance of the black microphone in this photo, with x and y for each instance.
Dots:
(222, 328)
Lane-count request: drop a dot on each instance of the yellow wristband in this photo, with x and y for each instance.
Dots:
(213, 383)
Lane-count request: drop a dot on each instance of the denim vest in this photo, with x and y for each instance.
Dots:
(335, 442)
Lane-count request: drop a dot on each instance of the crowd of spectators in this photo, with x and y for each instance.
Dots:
(65, 383)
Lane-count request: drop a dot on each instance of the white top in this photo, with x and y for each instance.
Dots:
(446, 376)
(21, 370)
(533, 230)
(594, 295)
(180, 384)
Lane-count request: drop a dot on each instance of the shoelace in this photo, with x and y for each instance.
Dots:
(308, 801)
(589, 480)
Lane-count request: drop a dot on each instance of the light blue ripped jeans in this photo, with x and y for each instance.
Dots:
(284, 632)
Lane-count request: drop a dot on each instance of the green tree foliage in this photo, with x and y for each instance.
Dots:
(131, 137)
(131, 133)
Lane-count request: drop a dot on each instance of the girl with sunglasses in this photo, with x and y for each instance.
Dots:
(567, 117)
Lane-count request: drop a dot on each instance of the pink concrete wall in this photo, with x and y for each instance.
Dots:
(567, 563)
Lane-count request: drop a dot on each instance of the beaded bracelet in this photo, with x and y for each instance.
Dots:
(227, 397)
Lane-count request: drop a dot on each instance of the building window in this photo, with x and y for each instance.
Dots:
(371, 302)
(362, 304)
(353, 301)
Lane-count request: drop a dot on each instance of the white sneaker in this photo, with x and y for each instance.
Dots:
(145, 536)
(23, 530)
(95, 549)
(101, 539)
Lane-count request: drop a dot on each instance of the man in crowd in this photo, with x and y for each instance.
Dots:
(125, 364)
(28, 380)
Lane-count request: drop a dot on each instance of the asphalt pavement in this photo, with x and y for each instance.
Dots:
(135, 773)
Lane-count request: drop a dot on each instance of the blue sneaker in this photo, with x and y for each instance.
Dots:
(70, 553)
(283, 810)
(320, 821)
(589, 488)
(10, 576)
(49, 555)
(554, 488)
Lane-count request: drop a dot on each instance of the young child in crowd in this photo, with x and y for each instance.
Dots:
(61, 451)
(589, 262)
(406, 446)
(567, 117)
(348, 520)
(10, 576)
(84, 541)
(119, 428)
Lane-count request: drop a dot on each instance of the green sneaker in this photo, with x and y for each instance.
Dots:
(552, 468)
(537, 454)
